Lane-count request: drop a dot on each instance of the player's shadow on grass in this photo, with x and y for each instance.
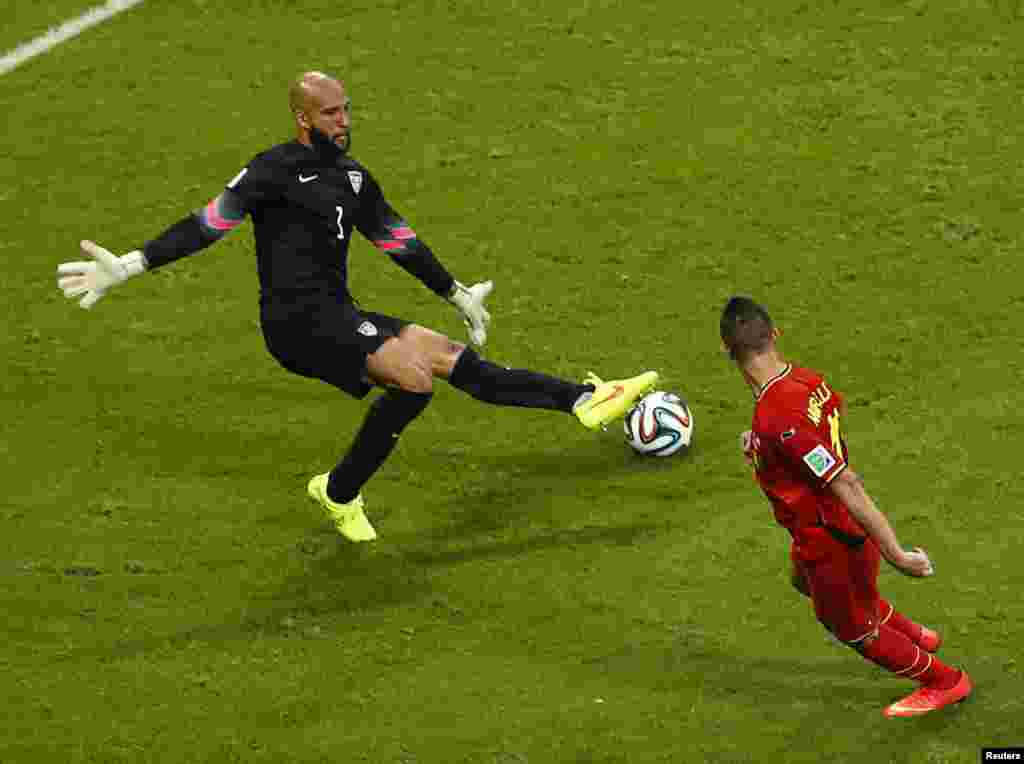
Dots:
(535, 540)
(341, 576)
(537, 493)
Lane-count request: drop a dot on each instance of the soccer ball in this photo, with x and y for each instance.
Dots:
(660, 424)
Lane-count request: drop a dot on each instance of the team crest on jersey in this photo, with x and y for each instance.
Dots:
(356, 179)
(367, 329)
(819, 460)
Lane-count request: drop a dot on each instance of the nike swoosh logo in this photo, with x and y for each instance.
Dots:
(616, 392)
(304, 179)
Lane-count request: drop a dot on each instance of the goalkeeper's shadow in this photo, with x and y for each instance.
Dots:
(536, 540)
(531, 490)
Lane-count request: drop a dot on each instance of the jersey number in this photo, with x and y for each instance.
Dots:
(837, 438)
(341, 228)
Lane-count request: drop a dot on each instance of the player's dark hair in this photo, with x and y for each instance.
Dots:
(746, 328)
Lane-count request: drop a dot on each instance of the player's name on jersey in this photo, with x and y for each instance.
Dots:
(1002, 754)
(816, 401)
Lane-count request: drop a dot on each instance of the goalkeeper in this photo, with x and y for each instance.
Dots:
(306, 198)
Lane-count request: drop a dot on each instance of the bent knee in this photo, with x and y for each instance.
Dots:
(399, 363)
(413, 374)
(419, 379)
(441, 353)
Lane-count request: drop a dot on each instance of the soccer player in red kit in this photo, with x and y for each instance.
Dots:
(839, 535)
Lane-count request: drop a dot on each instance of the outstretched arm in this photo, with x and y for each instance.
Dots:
(197, 231)
(189, 235)
(849, 488)
(389, 232)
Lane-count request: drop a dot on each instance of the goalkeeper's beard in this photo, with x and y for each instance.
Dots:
(326, 146)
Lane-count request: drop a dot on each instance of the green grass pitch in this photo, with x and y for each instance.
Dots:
(538, 594)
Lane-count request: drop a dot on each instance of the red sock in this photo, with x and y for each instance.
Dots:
(898, 621)
(894, 651)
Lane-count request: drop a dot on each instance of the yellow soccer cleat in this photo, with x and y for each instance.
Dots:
(348, 518)
(611, 400)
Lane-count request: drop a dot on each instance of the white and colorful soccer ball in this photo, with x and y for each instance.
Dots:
(660, 424)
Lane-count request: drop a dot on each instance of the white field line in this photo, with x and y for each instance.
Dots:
(56, 35)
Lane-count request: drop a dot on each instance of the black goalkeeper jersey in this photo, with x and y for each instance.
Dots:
(304, 205)
(304, 208)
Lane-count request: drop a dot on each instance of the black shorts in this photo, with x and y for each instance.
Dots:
(326, 339)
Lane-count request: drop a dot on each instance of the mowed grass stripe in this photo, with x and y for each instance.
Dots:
(29, 20)
(61, 33)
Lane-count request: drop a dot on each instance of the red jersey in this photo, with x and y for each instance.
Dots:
(798, 449)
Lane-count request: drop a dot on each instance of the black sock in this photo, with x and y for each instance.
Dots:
(387, 417)
(491, 383)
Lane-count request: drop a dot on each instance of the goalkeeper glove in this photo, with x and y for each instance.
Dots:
(93, 279)
(470, 302)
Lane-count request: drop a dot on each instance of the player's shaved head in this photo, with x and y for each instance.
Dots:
(306, 90)
(746, 328)
(322, 111)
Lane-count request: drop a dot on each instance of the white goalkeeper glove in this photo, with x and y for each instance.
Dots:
(470, 302)
(93, 279)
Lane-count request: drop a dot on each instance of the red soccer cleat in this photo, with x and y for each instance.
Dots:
(929, 640)
(926, 699)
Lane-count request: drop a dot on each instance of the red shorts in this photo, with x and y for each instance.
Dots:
(843, 582)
